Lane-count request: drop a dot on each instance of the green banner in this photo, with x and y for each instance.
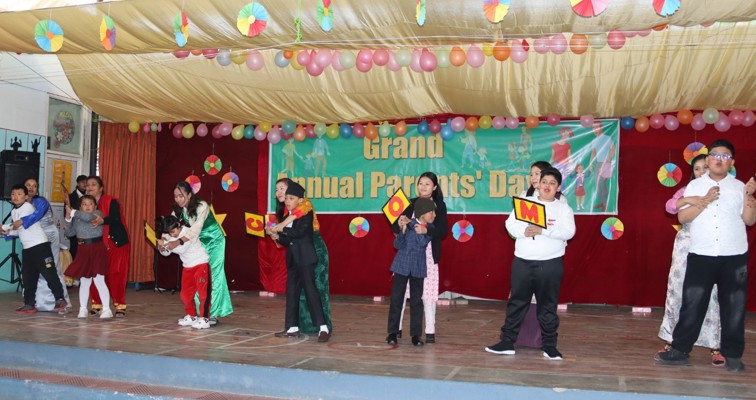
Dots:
(479, 172)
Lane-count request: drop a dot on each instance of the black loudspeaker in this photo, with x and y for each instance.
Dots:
(16, 167)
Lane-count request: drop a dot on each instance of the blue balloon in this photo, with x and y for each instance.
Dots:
(446, 132)
(345, 130)
(280, 60)
(288, 127)
(423, 127)
(627, 123)
(249, 132)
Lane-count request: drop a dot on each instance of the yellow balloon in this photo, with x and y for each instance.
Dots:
(238, 132)
(485, 121)
(332, 131)
(239, 57)
(488, 49)
(133, 127)
(265, 126)
(187, 131)
(294, 63)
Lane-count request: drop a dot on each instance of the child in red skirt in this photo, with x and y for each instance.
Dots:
(91, 261)
(195, 278)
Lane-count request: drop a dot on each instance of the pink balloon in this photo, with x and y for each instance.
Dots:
(434, 126)
(615, 39)
(475, 56)
(201, 130)
(336, 62)
(216, 132)
(748, 118)
(541, 45)
(671, 122)
(274, 136)
(210, 53)
(723, 123)
(698, 123)
(512, 122)
(736, 117)
(314, 69)
(177, 131)
(587, 120)
(358, 130)
(558, 44)
(364, 67)
(255, 61)
(553, 119)
(415, 61)
(303, 58)
(656, 121)
(629, 33)
(518, 56)
(323, 58)
(259, 134)
(458, 124)
(365, 56)
(499, 122)
(181, 53)
(160, 127)
(310, 131)
(392, 64)
(644, 33)
(381, 57)
(428, 60)
(225, 128)
(146, 128)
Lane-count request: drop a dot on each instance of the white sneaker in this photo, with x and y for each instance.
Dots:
(83, 313)
(188, 320)
(106, 313)
(201, 323)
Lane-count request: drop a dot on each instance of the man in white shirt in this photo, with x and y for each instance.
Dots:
(718, 256)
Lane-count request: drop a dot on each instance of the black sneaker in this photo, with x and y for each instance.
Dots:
(416, 341)
(552, 353)
(60, 306)
(734, 364)
(504, 347)
(672, 357)
(391, 338)
(430, 338)
(399, 334)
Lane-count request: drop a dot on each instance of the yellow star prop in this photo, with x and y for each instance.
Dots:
(220, 218)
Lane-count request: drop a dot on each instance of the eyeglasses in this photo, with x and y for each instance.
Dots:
(720, 156)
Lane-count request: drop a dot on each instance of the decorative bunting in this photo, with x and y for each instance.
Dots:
(325, 18)
(181, 29)
(49, 35)
(108, 33)
(194, 183)
(230, 182)
(612, 228)
(213, 164)
(359, 227)
(463, 230)
(589, 8)
(669, 175)
(252, 19)
(694, 149)
(496, 10)
(420, 12)
(665, 8)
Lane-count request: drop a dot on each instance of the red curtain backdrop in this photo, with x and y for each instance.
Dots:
(629, 271)
(179, 158)
(127, 169)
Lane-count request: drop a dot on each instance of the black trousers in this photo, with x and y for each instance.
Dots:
(398, 289)
(301, 277)
(39, 260)
(730, 274)
(544, 279)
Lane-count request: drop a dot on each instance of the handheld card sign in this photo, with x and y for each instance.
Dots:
(530, 212)
(396, 205)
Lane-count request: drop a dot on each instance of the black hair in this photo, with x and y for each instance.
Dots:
(723, 143)
(437, 195)
(541, 165)
(166, 224)
(280, 206)
(693, 165)
(20, 187)
(98, 180)
(35, 181)
(191, 206)
(81, 178)
(87, 196)
(552, 172)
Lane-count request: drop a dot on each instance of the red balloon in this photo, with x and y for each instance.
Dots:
(310, 131)
(434, 126)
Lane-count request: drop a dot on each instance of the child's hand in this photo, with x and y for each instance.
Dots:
(17, 224)
(532, 231)
(68, 211)
(711, 196)
(420, 229)
(403, 228)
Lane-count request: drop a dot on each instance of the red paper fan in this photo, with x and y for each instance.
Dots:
(589, 8)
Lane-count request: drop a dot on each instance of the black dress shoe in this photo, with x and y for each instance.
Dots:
(323, 336)
(287, 334)
(416, 341)
(391, 338)
(430, 338)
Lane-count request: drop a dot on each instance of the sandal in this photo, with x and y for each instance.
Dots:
(717, 359)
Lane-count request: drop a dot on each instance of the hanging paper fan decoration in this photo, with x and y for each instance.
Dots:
(359, 227)
(213, 164)
(589, 8)
(420, 12)
(669, 175)
(181, 29)
(230, 182)
(194, 183)
(107, 33)
(694, 149)
(463, 230)
(612, 228)
(325, 19)
(49, 35)
(252, 19)
(732, 171)
(495, 10)
(665, 8)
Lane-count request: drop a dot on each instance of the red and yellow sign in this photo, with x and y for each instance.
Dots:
(530, 212)
(396, 205)
(254, 224)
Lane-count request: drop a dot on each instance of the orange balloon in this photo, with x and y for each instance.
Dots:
(288, 54)
(660, 27)
(471, 123)
(532, 122)
(579, 43)
(371, 132)
(299, 133)
(685, 117)
(641, 124)
(196, 52)
(501, 51)
(400, 128)
(457, 56)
